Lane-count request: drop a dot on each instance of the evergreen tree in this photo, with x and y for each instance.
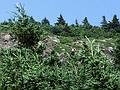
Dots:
(66, 28)
(104, 23)
(114, 24)
(115, 19)
(32, 20)
(86, 24)
(60, 21)
(76, 22)
(28, 34)
(45, 21)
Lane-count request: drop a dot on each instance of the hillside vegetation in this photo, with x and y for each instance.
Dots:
(35, 55)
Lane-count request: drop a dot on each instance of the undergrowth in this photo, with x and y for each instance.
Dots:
(23, 69)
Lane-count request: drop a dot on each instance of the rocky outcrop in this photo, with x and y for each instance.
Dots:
(7, 41)
(50, 43)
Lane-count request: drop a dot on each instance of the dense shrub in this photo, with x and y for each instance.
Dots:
(84, 69)
(14, 62)
(63, 30)
(57, 29)
(26, 30)
(22, 69)
(117, 54)
(76, 31)
(98, 72)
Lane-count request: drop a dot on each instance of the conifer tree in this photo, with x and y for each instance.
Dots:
(115, 21)
(45, 21)
(76, 22)
(25, 29)
(104, 23)
(114, 24)
(86, 24)
(60, 20)
(31, 19)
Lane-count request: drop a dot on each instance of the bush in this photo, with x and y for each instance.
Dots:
(13, 65)
(64, 40)
(27, 32)
(76, 31)
(117, 54)
(63, 30)
(97, 72)
(22, 69)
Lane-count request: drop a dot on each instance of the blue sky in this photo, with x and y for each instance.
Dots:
(70, 9)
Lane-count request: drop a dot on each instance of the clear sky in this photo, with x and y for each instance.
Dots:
(70, 9)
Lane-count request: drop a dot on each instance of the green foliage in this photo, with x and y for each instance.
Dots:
(22, 69)
(14, 63)
(86, 24)
(117, 54)
(104, 23)
(76, 31)
(32, 20)
(45, 21)
(26, 29)
(57, 29)
(63, 30)
(76, 22)
(64, 40)
(86, 68)
(115, 21)
(61, 27)
(5, 26)
(97, 72)
(60, 20)
(114, 24)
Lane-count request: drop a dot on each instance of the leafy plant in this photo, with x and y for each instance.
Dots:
(27, 32)
(117, 54)
(22, 69)
(96, 72)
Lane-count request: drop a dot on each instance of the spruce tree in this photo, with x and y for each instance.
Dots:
(115, 21)
(114, 24)
(25, 29)
(104, 23)
(32, 20)
(45, 21)
(86, 24)
(76, 22)
(60, 20)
